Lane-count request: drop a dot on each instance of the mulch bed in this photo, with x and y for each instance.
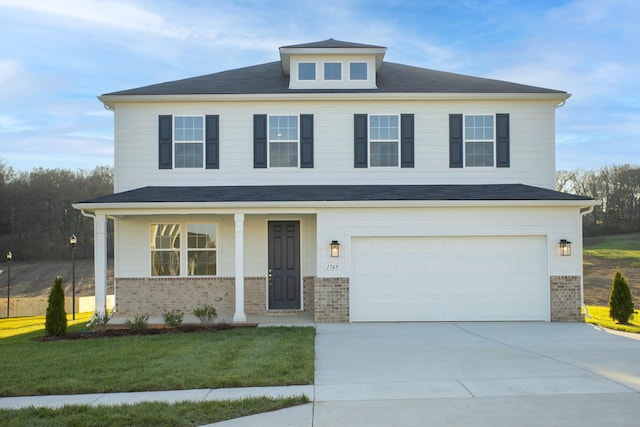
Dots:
(123, 331)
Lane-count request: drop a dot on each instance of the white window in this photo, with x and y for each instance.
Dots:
(358, 71)
(165, 249)
(384, 141)
(169, 257)
(307, 71)
(202, 246)
(479, 140)
(332, 71)
(188, 138)
(283, 141)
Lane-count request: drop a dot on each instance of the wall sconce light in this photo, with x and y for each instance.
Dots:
(335, 249)
(565, 247)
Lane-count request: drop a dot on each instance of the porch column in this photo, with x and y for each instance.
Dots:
(100, 261)
(239, 315)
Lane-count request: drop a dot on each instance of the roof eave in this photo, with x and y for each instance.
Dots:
(146, 208)
(110, 100)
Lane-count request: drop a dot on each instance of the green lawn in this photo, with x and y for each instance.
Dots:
(144, 414)
(234, 358)
(600, 317)
(617, 246)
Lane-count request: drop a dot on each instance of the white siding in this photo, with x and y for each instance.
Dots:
(531, 125)
(344, 224)
(133, 252)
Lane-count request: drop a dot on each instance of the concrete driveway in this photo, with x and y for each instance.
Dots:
(485, 374)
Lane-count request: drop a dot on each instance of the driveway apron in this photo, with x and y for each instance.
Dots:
(475, 374)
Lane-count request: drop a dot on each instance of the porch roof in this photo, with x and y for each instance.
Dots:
(334, 193)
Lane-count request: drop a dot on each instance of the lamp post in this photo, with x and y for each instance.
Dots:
(72, 241)
(9, 257)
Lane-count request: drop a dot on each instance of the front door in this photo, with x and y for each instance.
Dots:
(284, 265)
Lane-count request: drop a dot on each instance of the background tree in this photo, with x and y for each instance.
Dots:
(36, 216)
(617, 187)
(620, 302)
(56, 318)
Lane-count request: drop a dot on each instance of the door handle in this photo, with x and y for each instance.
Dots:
(269, 277)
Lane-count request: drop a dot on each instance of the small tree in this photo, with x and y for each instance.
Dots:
(620, 301)
(56, 320)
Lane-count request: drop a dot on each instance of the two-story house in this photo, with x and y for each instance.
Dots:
(335, 183)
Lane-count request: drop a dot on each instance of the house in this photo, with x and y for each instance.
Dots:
(332, 182)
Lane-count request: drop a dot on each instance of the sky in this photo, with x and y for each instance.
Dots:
(57, 56)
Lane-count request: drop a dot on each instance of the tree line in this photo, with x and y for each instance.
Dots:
(36, 216)
(617, 187)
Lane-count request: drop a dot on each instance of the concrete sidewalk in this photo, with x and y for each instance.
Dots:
(173, 396)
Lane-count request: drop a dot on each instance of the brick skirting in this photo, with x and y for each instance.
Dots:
(331, 299)
(157, 295)
(565, 299)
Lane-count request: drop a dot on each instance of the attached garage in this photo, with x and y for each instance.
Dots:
(483, 278)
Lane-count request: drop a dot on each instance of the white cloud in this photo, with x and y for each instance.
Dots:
(115, 14)
(9, 124)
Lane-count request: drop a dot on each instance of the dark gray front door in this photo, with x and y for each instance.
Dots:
(284, 265)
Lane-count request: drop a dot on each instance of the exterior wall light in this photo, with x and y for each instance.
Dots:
(565, 247)
(335, 249)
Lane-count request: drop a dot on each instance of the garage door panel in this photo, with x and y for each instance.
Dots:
(449, 278)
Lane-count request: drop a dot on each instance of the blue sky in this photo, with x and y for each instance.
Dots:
(56, 56)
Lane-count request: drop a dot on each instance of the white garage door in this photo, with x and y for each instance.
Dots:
(449, 278)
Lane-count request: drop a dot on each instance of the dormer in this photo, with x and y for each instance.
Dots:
(331, 64)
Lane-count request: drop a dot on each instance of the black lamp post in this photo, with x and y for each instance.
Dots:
(72, 241)
(9, 257)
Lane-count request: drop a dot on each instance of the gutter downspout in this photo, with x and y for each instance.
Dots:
(583, 212)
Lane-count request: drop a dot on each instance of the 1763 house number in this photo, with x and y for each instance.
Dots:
(333, 267)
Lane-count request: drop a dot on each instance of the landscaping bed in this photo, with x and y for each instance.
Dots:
(123, 331)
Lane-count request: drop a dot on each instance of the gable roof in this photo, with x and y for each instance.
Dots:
(335, 193)
(391, 78)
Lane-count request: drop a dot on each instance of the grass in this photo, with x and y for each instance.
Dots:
(235, 358)
(145, 414)
(14, 326)
(614, 247)
(600, 317)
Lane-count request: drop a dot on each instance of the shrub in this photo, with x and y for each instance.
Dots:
(173, 318)
(99, 321)
(56, 318)
(620, 300)
(207, 313)
(138, 323)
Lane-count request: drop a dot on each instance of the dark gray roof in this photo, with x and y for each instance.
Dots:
(332, 44)
(335, 193)
(392, 78)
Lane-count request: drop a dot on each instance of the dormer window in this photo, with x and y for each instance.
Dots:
(332, 71)
(307, 71)
(358, 71)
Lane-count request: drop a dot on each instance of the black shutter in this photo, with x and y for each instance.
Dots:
(306, 140)
(259, 140)
(502, 141)
(360, 142)
(212, 142)
(455, 141)
(164, 142)
(406, 141)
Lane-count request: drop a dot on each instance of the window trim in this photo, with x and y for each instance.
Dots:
(183, 250)
(202, 142)
(315, 71)
(398, 142)
(297, 116)
(464, 141)
(366, 67)
(324, 71)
